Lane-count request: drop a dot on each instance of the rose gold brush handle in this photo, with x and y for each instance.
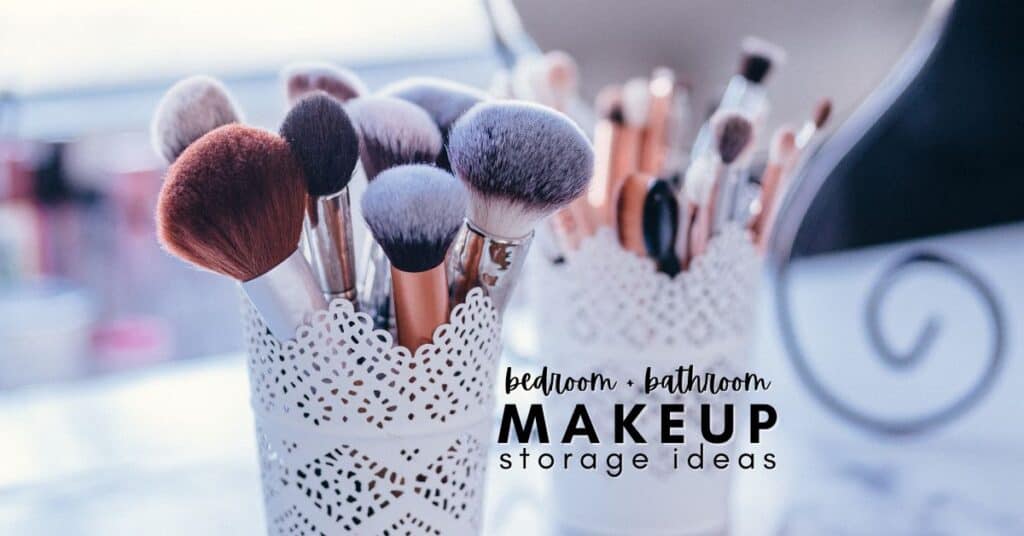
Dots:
(631, 212)
(653, 146)
(421, 304)
(572, 224)
(603, 188)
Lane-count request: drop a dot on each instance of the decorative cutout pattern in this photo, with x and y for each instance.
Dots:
(339, 373)
(410, 526)
(604, 296)
(447, 481)
(608, 310)
(356, 435)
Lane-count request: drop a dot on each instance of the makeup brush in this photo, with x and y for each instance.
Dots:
(444, 102)
(822, 111)
(232, 204)
(631, 212)
(677, 128)
(694, 193)
(745, 92)
(562, 79)
(636, 99)
(608, 132)
(781, 153)
(307, 77)
(393, 132)
(190, 108)
(733, 134)
(322, 138)
(520, 162)
(414, 213)
(654, 137)
(660, 217)
(648, 218)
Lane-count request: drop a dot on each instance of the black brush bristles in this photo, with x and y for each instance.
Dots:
(443, 100)
(393, 132)
(323, 140)
(521, 162)
(758, 59)
(733, 134)
(414, 213)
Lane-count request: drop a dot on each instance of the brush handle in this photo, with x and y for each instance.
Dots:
(375, 285)
(744, 97)
(421, 304)
(724, 200)
(286, 296)
(482, 260)
(328, 235)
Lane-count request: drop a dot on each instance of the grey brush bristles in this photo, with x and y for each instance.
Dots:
(190, 108)
(443, 100)
(733, 134)
(323, 140)
(393, 132)
(414, 213)
(306, 77)
(521, 162)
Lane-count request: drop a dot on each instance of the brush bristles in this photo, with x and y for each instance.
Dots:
(822, 112)
(758, 59)
(233, 203)
(783, 145)
(322, 138)
(635, 101)
(733, 134)
(563, 73)
(414, 213)
(443, 100)
(393, 132)
(520, 162)
(608, 104)
(190, 108)
(303, 78)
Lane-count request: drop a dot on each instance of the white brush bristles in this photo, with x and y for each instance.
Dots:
(190, 108)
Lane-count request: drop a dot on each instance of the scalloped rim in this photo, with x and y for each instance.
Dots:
(343, 307)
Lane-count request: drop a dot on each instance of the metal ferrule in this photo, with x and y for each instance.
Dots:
(481, 260)
(286, 296)
(375, 285)
(328, 235)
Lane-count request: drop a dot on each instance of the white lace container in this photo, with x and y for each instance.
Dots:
(359, 436)
(608, 310)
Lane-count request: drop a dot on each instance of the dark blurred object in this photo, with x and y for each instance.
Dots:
(944, 157)
(52, 183)
(834, 48)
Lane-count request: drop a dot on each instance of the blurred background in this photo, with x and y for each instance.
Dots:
(84, 288)
(121, 375)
